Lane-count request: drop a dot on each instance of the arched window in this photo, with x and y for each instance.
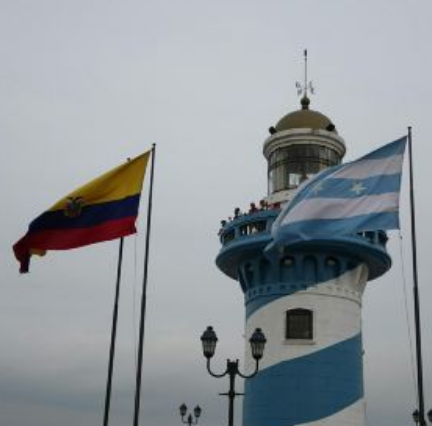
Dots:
(249, 275)
(288, 269)
(333, 267)
(310, 268)
(299, 324)
(242, 280)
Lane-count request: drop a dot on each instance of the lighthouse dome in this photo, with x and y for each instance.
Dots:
(305, 118)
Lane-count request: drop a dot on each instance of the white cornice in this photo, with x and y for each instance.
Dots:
(302, 137)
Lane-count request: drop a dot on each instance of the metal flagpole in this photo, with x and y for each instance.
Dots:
(416, 291)
(113, 336)
(144, 295)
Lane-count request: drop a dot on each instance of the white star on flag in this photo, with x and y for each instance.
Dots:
(358, 188)
(317, 188)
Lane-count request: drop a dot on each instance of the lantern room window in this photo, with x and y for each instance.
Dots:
(289, 166)
(299, 324)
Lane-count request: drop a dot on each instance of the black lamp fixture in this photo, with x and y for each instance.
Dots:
(189, 419)
(209, 341)
(416, 416)
(417, 420)
(257, 343)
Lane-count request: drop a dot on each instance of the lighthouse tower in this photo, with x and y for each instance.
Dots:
(307, 299)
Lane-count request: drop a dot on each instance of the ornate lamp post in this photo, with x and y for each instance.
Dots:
(190, 420)
(257, 342)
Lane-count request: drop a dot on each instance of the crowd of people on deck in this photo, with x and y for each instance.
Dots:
(253, 208)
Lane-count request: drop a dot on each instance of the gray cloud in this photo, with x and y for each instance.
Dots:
(86, 84)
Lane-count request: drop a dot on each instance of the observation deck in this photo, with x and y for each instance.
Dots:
(244, 240)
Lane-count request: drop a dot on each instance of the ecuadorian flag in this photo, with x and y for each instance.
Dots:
(104, 209)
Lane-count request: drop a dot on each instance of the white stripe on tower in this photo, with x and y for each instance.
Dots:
(336, 307)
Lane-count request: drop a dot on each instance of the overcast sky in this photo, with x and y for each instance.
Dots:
(84, 84)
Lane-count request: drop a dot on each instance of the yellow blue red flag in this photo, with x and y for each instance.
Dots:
(103, 209)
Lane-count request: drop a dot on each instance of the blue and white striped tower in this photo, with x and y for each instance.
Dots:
(306, 300)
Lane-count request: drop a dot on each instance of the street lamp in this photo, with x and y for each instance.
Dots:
(257, 343)
(190, 420)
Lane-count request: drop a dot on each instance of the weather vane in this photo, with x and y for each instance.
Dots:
(302, 89)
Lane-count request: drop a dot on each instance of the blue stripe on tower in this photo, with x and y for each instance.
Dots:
(306, 389)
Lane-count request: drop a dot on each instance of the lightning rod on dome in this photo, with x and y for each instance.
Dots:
(302, 89)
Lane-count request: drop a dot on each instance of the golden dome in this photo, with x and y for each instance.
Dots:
(305, 119)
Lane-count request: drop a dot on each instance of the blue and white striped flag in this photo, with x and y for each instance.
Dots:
(359, 196)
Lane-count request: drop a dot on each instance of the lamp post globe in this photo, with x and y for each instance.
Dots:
(209, 340)
(257, 342)
(197, 411)
(183, 410)
(416, 416)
